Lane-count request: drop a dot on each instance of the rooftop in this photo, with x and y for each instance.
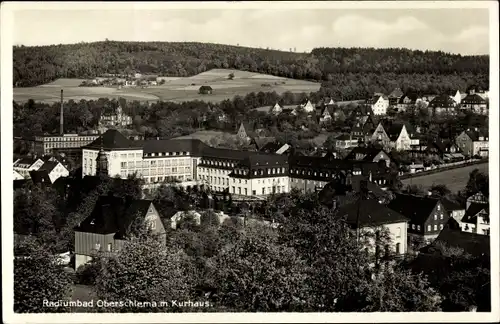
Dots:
(416, 208)
(369, 212)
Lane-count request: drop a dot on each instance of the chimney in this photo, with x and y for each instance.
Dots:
(61, 125)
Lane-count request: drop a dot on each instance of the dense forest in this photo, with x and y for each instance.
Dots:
(42, 64)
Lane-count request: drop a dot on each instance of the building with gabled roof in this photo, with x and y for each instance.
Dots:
(473, 244)
(369, 154)
(246, 131)
(368, 215)
(204, 89)
(24, 165)
(442, 104)
(427, 215)
(378, 104)
(17, 176)
(54, 170)
(473, 142)
(394, 96)
(476, 218)
(276, 109)
(109, 225)
(475, 103)
(407, 100)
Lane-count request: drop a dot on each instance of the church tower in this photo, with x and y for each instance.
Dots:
(101, 162)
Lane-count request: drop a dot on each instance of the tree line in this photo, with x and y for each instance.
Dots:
(38, 65)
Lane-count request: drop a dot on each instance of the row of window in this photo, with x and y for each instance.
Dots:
(70, 139)
(261, 171)
(154, 164)
(147, 172)
(158, 154)
(429, 227)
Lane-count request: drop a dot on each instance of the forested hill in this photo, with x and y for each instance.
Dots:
(42, 64)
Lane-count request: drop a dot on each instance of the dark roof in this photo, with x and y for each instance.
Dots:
(451, 205)
(113, 139)
(396, 93)
(443, 101)
(260, 142)
(26, 160)
(416, 208)
(343, 137)
(271, 147)
(369, 153)
(224, 154)
(48, 166)
(412, 96)
(371, 213)
(193, 146)
(474, 135)
(471, 243)
(205, 87)
(473, 99)
(258, 159)
(41, 177)
(113, 215)
(471, 212)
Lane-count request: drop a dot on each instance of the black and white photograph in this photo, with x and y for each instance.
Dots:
(250, 161)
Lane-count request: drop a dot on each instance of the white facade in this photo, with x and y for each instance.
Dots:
(380, 106)
(276, 109)
(24, 169)
(308, 107)
(17, 176)
(480, 148)
(58, 171)
(457, 97)
(397, 233)
(404, 141)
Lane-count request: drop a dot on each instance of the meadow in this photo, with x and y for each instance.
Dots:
(455, 179)
(176, 89)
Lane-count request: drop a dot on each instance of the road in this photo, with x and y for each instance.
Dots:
(455, 179)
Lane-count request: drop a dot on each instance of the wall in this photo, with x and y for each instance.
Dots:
(57, 172)
(398, 235)
(305, 185)
(464, 143)
(85, 244)
(403, 142)
(478, 145)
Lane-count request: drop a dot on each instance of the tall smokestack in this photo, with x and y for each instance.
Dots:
(61, 128)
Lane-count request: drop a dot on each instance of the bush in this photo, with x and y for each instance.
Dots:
(87, 274)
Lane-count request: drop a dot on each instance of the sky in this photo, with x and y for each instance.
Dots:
(461, 31)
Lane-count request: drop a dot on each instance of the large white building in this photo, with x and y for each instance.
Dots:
(188, 160)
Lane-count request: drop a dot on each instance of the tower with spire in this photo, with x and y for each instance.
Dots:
(101, 162)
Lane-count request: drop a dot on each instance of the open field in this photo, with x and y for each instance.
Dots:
(174, 89)
(455, 179)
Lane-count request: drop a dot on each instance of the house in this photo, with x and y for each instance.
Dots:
(205, 90)
(408, 100)
(473, 89)
(369, 154)
(378, 104)
(40, 177)
(454, 209)
(325, 115)
(394, 96)
(477, 215)
(179, 216)
(442, 104)
(363, 128)
(399, 137)
(337, 192)
(380, 136)
(116, 118)
(345, 141)
(275, 147)
(473, 142)
(276, 109)
(17, 176)
(455, 95)
(24, 165)
(472, 244)
(427, 215)
(245, 131)
(368, 215)
(261, 142)
(109, 225)
(307, 106)
(55, 170)
(475, 103)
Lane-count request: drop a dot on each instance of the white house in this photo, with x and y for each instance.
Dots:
(276, 109)
(456, 96)
(55, 170)
(477, 215)
(307, 106)
(379, 105)
(25, 165)
(17, 176)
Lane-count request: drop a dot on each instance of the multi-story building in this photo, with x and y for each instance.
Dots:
(378, 104)
(442, 104)
(475, 103)
(473, 143)
(117, 118)
(25, 165)
(427, 215)
(48, 144)
(477, 215)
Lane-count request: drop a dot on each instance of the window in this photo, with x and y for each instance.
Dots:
(441, 216)
(234, 189)
(440, 226)
(435, 227)
(239, 190)
(429, 228)
(418, 227)
(109, 247)
(398, 248)
(263, 191)
(123, 165)
(435, 217)
(98, 246)
(246, 192)
(413, 226)
(254, 192)
(398, 232)
(439, 207)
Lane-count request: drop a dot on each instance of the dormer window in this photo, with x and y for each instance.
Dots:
(92, 222)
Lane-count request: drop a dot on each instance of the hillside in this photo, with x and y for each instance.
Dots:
(43, 64)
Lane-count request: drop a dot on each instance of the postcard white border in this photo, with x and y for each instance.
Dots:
(7, 9)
